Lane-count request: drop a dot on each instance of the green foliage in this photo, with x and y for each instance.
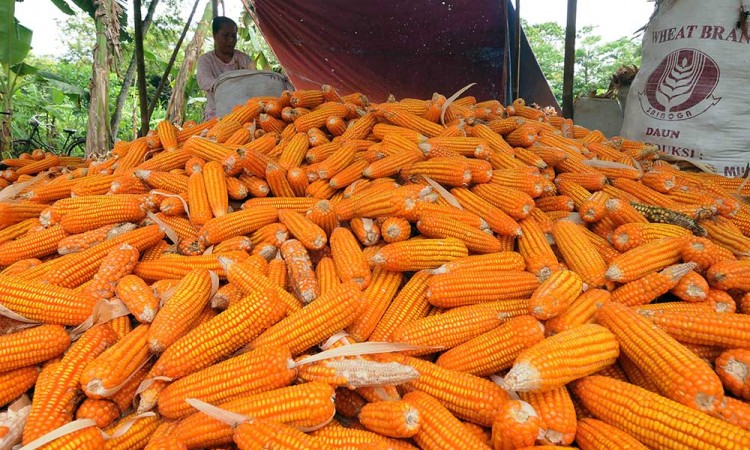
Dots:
(596, 61)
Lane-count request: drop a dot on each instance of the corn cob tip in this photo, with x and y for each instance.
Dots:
(613, 273)
(522, 377)
(142, 174)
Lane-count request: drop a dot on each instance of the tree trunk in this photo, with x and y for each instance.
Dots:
(176, 106)
(172, 59)
(98, 137)
(127, 80)
(140, 67)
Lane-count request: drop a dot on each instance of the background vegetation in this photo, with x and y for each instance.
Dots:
(56, 87)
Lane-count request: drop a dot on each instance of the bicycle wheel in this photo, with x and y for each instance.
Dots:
(19, 146)
(76, 148)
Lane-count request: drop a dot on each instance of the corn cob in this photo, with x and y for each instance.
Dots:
(631, 235)
(176, 316)
(308, 233)
(305, 405)
(249, 280)
(730, 274)
(237, 224)
(396, 419)
(516, 426)
(376, 298)
(439, 428)
(536, 251)
(136, 436)
(532, 370)
(321, 318)
(442, 226)
(447, 330)
(174, 267)
(221, 335)
(35, 245)
(704, 327)
(466, 288)
(649, 417)
(556, 414)
(103, 412)
(732, 368)
(678, 373)
(652, 285)
(467, 396)
(408, 305)
(31, 346)
(649, 257)
(115, 209)
(594, 434)
(334, 435)
(414, 255)
(54, 402)
(113, 367)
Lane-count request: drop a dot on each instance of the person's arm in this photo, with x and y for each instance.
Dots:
(204, 75)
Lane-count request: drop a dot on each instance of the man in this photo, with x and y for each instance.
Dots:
(223, 58)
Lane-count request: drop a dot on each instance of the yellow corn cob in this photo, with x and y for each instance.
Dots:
(533, 369)
(449, 329)
(163, 180)
(308, 233)
(304, 405)
(555, 295)
(137, 436)
(650, 418)
(256, 371)
(376, 298)
(176, 316)
(117, 264)
(556, 413)
(54, 402)
(583, 310)
(171, 266)
(103, 412)
(301, 275)
(513, 202)
(221, 335)
(413, 255)
(536, 251)
(249, 280)
(31, 346)
(72, 270)
(321, 318)
(516, 426)
(396, 419)
(468, 397)
(237, 224)
(112, 368)
(34, 245)
(351, 264)
(579, 253)
(466, 288)
(114, 209)
(216, 188)
(649, 257)
(443, 226)
(678, 373)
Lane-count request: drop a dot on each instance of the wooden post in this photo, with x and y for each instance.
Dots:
(570, 60)
(140, 67)
(517, 81)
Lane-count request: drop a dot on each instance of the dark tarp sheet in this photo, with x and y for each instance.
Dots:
(409, 48)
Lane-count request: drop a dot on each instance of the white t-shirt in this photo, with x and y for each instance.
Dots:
(209, 69)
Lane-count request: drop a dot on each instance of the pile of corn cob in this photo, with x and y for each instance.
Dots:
(315, 271)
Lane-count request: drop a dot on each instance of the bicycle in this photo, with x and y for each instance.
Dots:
(73, 144)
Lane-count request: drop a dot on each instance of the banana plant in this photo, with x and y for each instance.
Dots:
(15, 43)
